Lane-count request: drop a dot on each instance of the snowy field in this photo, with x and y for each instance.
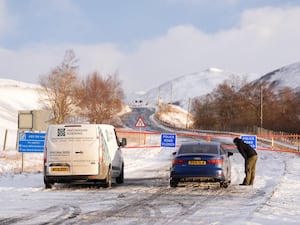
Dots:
(146, 198)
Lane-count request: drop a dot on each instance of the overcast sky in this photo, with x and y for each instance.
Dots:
(147, 42)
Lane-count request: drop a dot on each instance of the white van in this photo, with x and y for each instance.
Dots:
(83, 152)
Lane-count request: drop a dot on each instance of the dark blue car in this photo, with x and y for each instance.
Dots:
(201, 162)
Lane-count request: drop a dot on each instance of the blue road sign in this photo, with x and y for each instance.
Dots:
(250, 139)
(168, 140)
(31, 142)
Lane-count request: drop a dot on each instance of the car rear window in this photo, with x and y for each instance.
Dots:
(211, 149)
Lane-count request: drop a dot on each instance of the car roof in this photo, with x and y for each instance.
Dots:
(201, 143)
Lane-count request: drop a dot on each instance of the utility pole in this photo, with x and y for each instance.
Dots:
(171, 98)
(187, 115)
(158, 97)
(261, 107)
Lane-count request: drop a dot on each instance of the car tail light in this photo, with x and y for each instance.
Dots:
(178, 161)
(215, 161)
(45, 154)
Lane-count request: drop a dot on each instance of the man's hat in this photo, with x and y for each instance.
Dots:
(236, 140)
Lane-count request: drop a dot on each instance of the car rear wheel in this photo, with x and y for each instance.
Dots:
(224, 184)
(173, 183)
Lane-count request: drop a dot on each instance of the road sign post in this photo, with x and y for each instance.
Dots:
(250, 139)
(31, 142)
(168, 140)
(140, 124)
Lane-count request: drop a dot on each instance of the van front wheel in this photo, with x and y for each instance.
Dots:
(120, 178)
(108, 179)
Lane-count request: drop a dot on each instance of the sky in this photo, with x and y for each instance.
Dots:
(147, 42)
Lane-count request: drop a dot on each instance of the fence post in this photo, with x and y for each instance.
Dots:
(208, 138)
(5, 138)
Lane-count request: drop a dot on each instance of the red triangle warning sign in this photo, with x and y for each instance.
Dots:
(140, 122)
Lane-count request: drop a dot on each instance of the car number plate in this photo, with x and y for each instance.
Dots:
(59, 169)
(197, 162)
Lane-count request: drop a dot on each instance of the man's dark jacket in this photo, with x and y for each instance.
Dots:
(246, 150)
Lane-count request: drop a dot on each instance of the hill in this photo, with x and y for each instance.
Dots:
(183, 88)
(287, 76)
(15, 95)
(186, 87)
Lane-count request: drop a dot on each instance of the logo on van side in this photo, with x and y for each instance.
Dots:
(61, 132)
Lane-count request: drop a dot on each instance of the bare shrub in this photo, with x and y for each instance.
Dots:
(58, 88)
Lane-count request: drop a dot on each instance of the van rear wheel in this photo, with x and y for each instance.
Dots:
(48, 184)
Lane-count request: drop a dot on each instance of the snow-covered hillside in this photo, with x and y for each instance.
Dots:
(182, 89)
(15, 96)
(287, 76)
(186, 87)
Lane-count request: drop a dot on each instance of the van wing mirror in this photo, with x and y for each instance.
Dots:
(123, 142)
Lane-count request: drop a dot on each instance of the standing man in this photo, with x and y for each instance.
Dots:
(250, 156)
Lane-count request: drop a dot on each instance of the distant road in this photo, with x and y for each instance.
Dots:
(130, 119)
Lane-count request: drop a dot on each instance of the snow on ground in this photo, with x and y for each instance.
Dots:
(282, 206)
